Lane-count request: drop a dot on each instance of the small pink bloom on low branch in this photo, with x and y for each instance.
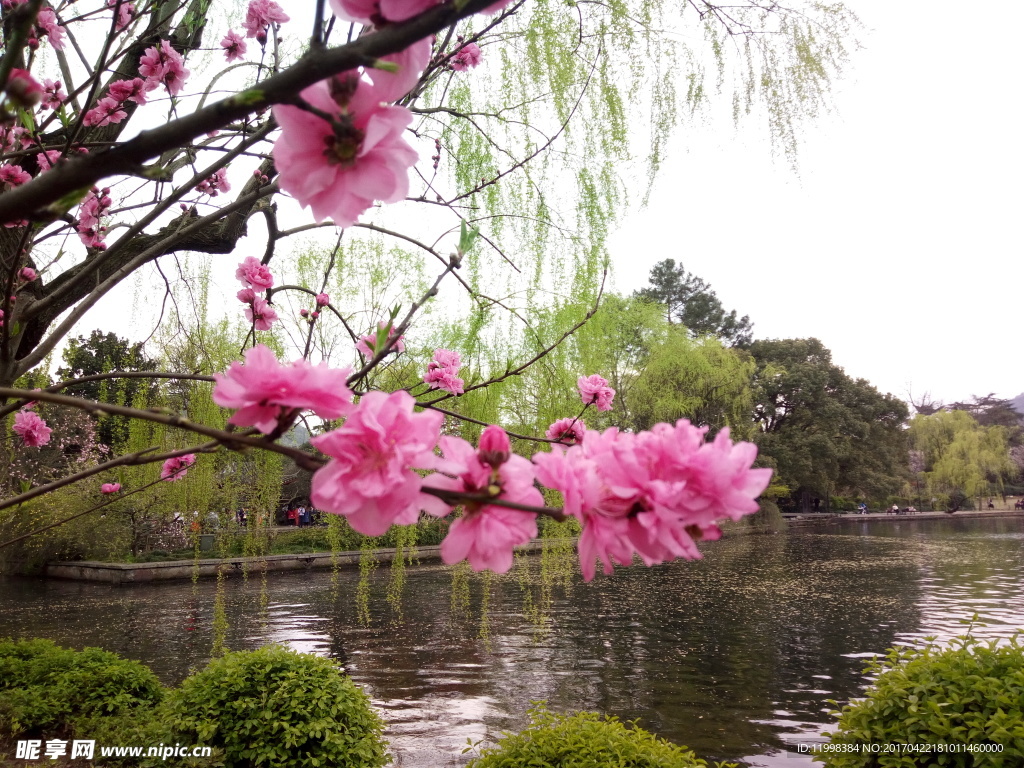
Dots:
(163, 65)
(125, 90)
(263, 390)
(259, 16)
(322, 299)
(22, 89)
(175, 469)
(594, 389)
(260, 314)
(364, 155)
(27, 274)
(53, 94)
(368, 344)
(442, 372)
(254, 274)
(487, 534)
(106, 112)
(234, 46)
(215, 184)
(468, 56)
(652, 494)
(371, 476)
(93, 208)
(31, 428)
(110, 488)
(566, 431)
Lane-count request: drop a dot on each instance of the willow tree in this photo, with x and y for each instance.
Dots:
(961, 458)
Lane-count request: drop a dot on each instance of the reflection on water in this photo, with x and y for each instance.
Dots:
(734, 656)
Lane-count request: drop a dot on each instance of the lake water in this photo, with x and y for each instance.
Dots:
(735, 655)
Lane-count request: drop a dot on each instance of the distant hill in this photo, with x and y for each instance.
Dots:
(1018, 403)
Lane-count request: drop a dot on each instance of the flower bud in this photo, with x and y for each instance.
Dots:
(494, 447)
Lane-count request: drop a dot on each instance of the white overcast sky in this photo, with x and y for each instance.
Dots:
(899, 243)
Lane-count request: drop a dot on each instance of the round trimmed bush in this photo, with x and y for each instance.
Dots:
(47, 688)
(968, 698)
(583, 740)
(275, 707)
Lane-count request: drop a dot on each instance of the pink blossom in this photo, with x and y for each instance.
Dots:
(322, 299)
(234, 46)
(163, 65)
(48, 158)
(594, 389)
(215, 184)
(53, 94)
(442, 372)
(259, 16)
(27, 274)
(13, 175)
(124, 90)
(125, 13)
(11, 137)
(653, 494)
(106, 111)
(1, 318)
(365, 158)
(486, 534)
(370, 478)
(260, 314)
(46, 20)
(110, 488)
(263, 390)
(392, 86)
(23, 89)
(93, 208)
(31, 429)
(368, 344)
(175, 469)
(468, 56)
(363, 11)
(253, 273)
(246, 295)
(567, 431)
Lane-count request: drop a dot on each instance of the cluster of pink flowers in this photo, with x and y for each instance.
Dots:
(215, 184)
(93, 208)
(487, 534)
(31, 428)
(567, 431)
(653, 494)
(13, 176)
(259, 16)
(260, 313)
(442, 372)
(254, 274)
(367, 344)
(595, 390)
(175, 469)
(265, 392)
(110, 109)
(162, 65)
(366, 11)
(53, 94)
(256, 277)
(234, 46)
(467, 57)
(46, 26)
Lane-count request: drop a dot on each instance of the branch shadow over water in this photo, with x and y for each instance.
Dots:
(734, 656)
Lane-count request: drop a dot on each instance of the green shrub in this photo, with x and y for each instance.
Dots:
(583, 740)
(44, 687)
(970, 695)
(768, 518)
(277, 708)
